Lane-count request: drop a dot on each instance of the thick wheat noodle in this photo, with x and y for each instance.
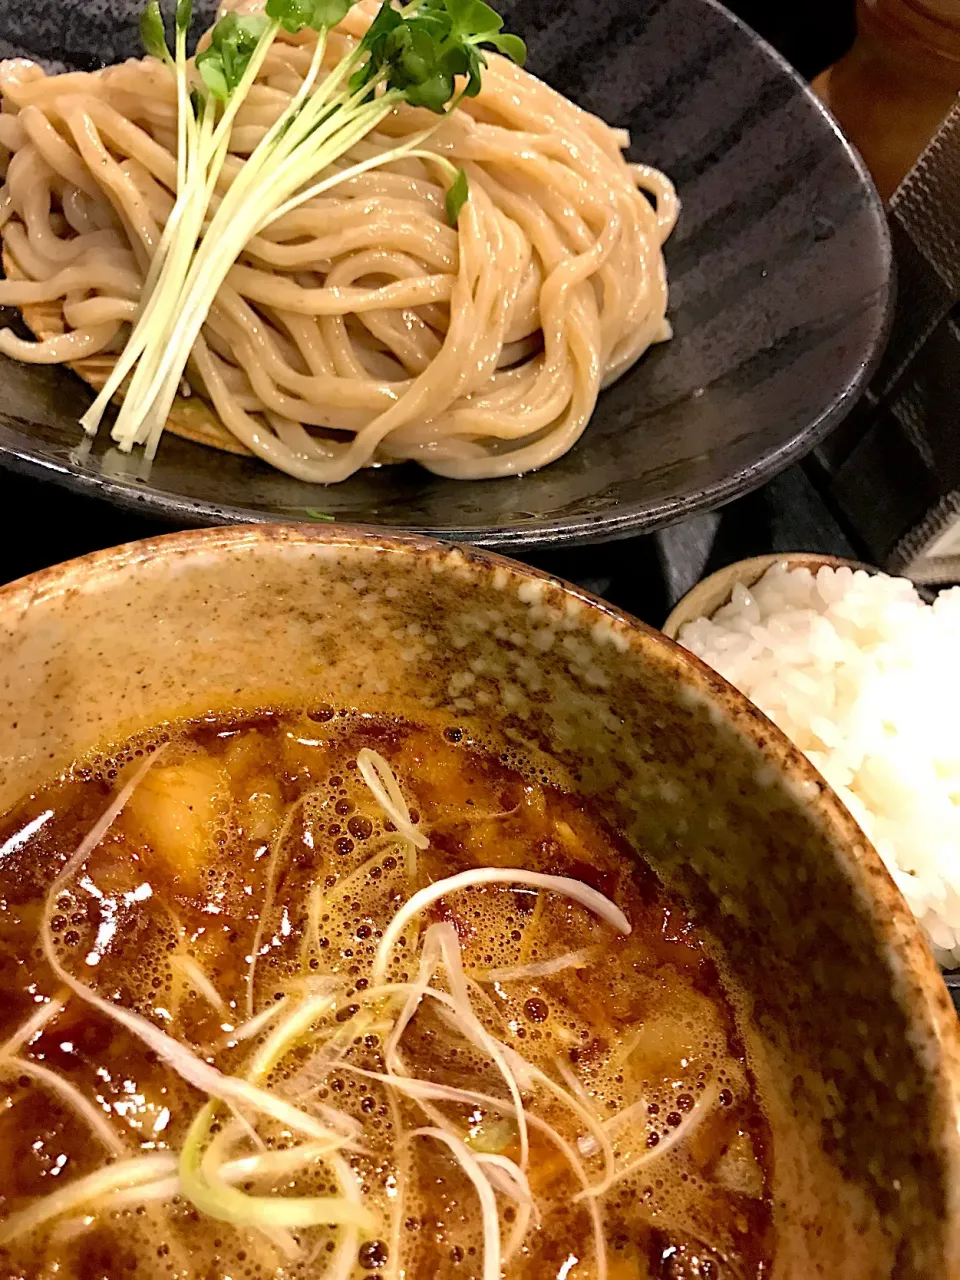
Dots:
(360, 327)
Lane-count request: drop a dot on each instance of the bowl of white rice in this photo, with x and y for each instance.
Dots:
(863, 675)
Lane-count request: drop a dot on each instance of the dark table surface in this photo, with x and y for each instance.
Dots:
(41, 525)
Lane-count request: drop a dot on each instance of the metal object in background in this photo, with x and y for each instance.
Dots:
(894, 468)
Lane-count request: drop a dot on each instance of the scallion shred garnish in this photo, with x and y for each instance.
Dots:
(228, 1171)
(414, 55)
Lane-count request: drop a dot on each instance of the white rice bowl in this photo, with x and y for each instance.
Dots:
(864, 677)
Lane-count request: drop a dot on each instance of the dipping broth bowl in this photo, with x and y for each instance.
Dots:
(848, 1027)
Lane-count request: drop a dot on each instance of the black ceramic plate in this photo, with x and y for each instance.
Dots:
(780, 291)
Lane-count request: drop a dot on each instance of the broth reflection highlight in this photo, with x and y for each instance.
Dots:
(324, 995)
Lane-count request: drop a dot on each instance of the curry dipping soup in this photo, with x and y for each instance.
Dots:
(326, 995)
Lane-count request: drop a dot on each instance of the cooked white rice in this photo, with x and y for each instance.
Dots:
(864, 677)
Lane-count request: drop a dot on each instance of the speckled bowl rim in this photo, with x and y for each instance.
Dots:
(916, 983)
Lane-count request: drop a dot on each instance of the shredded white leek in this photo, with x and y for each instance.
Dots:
(543, 968)
(283, 1037)
(346, 1255)
(272, 860)
(382, 781)
(201, 983)
(71, 1096)
(576, 889)
(28, 1030)
(322, 899)
(683, 1131)
(215, 1197)
(78, 1194)
(193, 1069)
(211, 1164)
(259, 1022)
(506, 1176)
(488, 1202)
(266, 1164)
(472, 1028)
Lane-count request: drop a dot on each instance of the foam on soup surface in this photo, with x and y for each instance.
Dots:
(243, 1037)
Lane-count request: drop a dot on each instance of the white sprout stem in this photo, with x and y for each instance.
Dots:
(71, 1096)
(426, 897)
(171, 260)
(204, 157)
(183, 107)
(488, 1202)
(403, 150)
(76, 1195)
(237, 219)
(239, 95)
(382, 781)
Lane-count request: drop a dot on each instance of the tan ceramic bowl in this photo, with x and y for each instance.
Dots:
(713, 592)
(850, 1032)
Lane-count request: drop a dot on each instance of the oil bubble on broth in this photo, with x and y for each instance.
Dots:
(321, 994)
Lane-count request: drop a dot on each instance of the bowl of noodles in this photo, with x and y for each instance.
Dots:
(373, 907)
(313, 274)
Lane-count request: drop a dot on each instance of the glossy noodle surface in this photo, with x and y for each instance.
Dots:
(240, 905)
(362, 327)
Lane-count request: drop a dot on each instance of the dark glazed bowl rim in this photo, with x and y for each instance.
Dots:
(616, 521)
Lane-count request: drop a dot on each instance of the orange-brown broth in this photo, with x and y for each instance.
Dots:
(646, 1018)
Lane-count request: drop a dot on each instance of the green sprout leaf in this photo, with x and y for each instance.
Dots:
(232, 45)
(421, 53)
(511, 47)
(469, 17)
(212, 72)
(184, 14)
(458, 194)
(329, 13)
(152, 35)
(313, 514)
(294, 15)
